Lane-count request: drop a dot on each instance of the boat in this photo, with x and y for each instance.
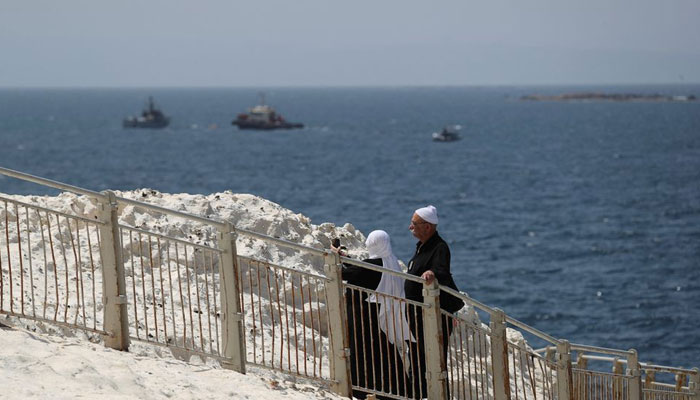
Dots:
(151, 118)
(263, 117)
(448, 134)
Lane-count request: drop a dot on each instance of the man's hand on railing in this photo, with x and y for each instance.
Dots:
(429, 276)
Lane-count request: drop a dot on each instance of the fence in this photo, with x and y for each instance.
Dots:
(76, 265)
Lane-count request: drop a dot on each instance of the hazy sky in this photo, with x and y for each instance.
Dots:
(127, 43)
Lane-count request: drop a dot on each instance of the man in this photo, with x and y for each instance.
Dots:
(431, 261)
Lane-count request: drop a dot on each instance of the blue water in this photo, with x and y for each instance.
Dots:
(580, 219)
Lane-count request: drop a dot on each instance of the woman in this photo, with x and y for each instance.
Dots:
(377, 326)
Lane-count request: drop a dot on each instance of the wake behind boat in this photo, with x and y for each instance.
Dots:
(263, 117)
(151, 118)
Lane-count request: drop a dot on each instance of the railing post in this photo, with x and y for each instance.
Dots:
(694, 384)
(435, 363)
(564, 374)
(635, 374)
(618, 371)
(680, 381)
(649, 379)
(340, 344)
(499, 355)
(232, 337)
(116, 322)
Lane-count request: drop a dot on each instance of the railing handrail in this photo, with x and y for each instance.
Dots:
(102, 196)
(50, 183)
(644, 366)
(283, 242)
(44, 209)
(379, 268)
(601, 350)
(213, 221)
(534, 331)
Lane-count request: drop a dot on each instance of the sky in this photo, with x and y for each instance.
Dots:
(229, 43)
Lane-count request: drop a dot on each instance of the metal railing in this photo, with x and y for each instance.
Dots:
(198, 296)
(45, 255)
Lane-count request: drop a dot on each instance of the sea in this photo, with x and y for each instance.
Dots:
(581, 219)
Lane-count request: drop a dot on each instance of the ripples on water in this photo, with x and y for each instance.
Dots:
(580, 219)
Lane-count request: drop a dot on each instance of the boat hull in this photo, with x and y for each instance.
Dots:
(265, 126)
(142, 124)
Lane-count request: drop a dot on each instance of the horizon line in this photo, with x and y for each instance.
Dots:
(339, 86)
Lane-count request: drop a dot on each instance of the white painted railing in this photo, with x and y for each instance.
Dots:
(205, 299)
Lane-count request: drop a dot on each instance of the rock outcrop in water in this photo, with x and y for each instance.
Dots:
(592, 96)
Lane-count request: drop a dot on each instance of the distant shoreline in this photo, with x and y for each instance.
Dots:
(609, 97)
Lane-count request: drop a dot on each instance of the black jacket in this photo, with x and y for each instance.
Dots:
(433, 255)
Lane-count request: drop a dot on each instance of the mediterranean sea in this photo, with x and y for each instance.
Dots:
(581, 219)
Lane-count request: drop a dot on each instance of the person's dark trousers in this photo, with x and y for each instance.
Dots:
(415, 320)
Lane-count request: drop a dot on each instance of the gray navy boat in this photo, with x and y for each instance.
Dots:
(150, 118)
(263, 117)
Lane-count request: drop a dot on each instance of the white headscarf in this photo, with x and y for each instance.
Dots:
(379, 246)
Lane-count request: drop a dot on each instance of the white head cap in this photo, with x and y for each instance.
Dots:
(428, 214)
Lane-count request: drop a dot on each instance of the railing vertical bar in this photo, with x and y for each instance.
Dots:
(370, 335)
(461, 363)
(80, 269)
(133, 282)
(482, 378)
(46, 264)
(303, 322)
(253, 321)
(359, 378)
(172, 296)
(21, 263)
(199, 304)
(154, 302)
(78, 281)
(531, 374)
(390, 306)
(162, 290)
(65, 265)
(206, 298)
(272, 313)
(320, 337)
(217, 335)
(286, 319)
(143, 287)
(384, 344)
(478, 366)
(189, 296)
(31, 267)
(2, 271)
(9, 258)
(94, 279)
(182, 297)
(296, 332)
(420, 367)
(523, 371)
(451, 355)
(279, 312)
(404, 344)
(55, 266)
(260, 313)
(313, 329)
(515, 373)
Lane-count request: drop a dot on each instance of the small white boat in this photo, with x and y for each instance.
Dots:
(448, 134)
